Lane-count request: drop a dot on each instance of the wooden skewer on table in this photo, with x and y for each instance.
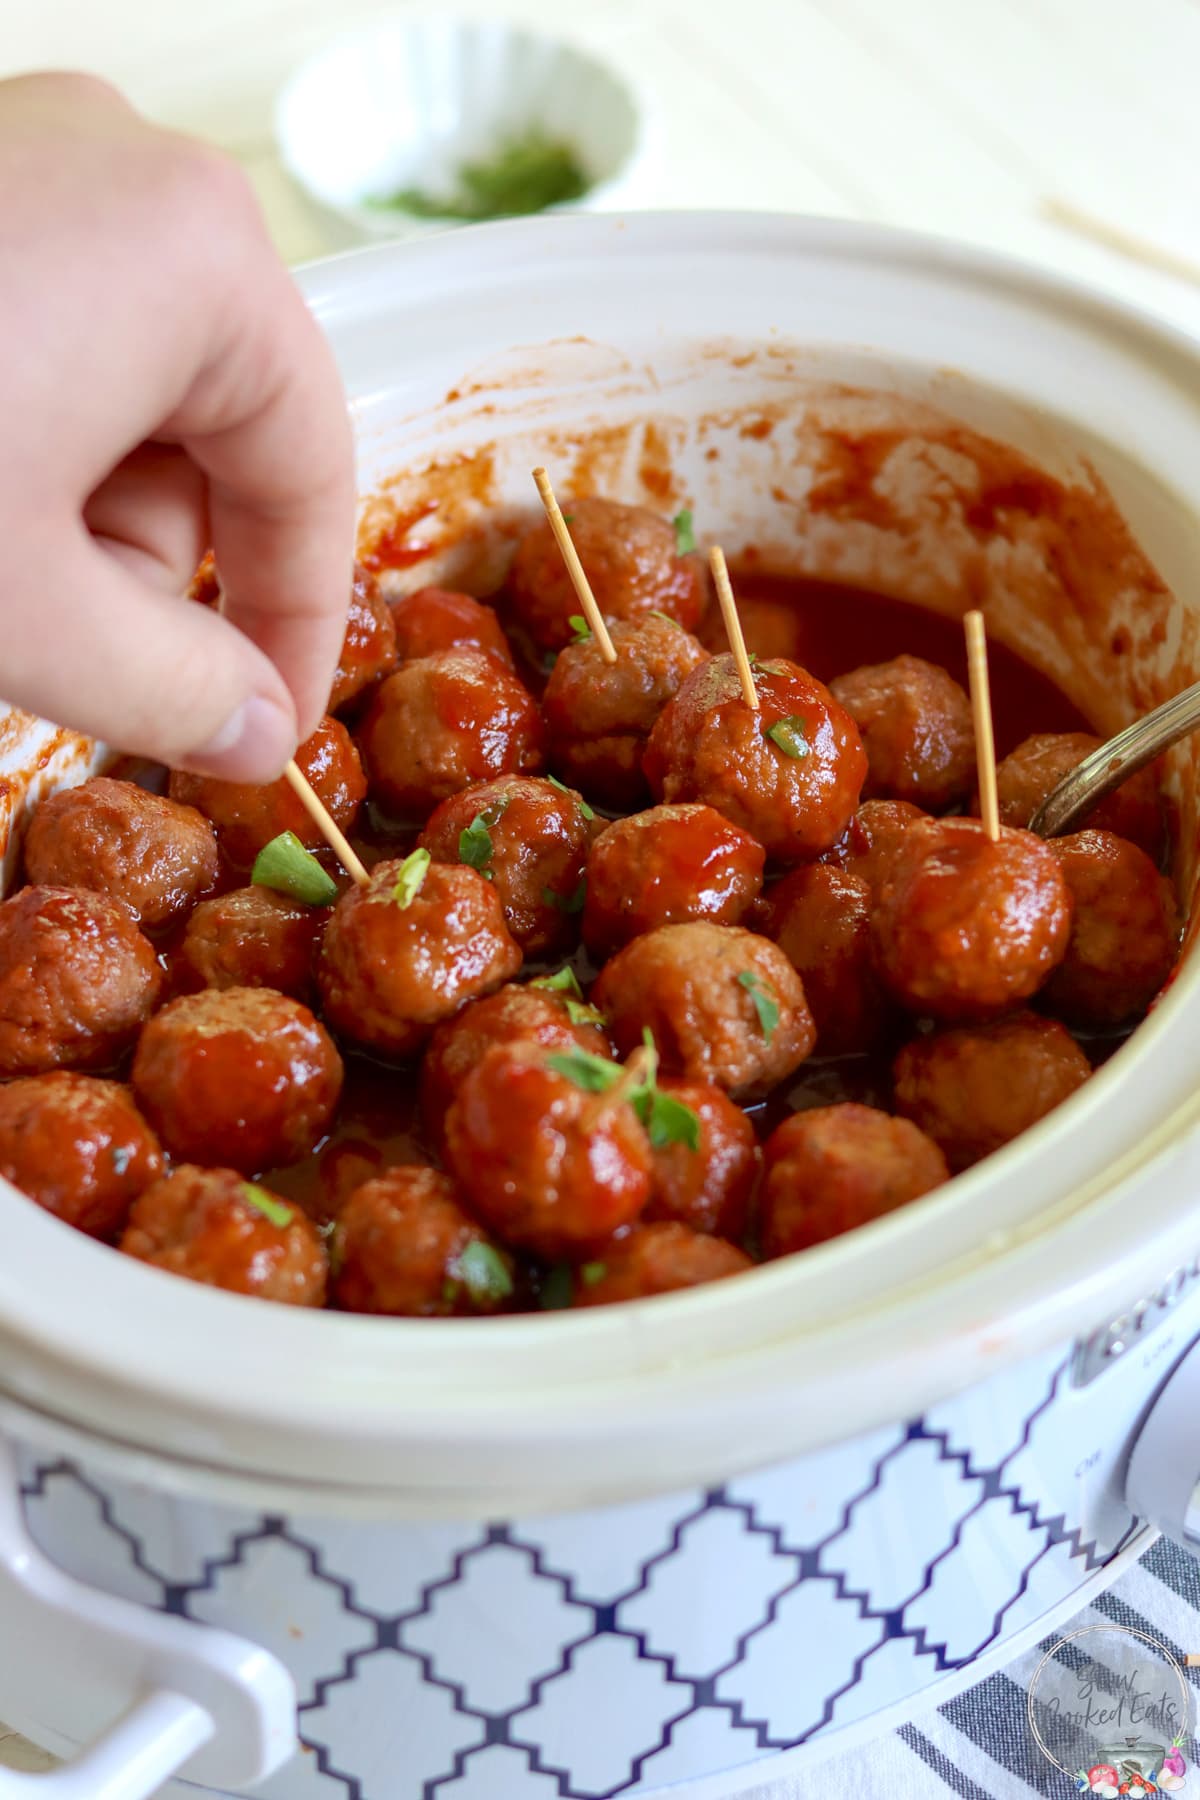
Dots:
(325, 823)
(981, 708)
(575, 570)
(733, 625)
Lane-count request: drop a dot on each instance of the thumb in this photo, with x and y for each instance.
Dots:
(96, 649)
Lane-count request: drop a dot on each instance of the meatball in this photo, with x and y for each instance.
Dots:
(248, 817)
(212, 1226)
(1034, 769)
(403, 1245)
(240, 1076)
(78, 1146)
(725, 1005)
(409, 949)
(1124, 931)
(666, 865)
(657, 1259)
(441, 723)
(556, 1018)
(631, 563)
(77, 980)
(966, 928)
(436, 619)
(251, 937)
(789, 773)
(599, 715)
(547, 1163)
(917, 730)
(708, 1188)
(369, 646)
(115, 838)
(820, 917)
(973, 1090)
(530, 838)
(836, 1167)
(870, 841)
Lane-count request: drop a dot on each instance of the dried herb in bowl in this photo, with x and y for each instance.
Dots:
(526, 174)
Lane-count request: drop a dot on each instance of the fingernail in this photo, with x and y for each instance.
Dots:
(252, 745)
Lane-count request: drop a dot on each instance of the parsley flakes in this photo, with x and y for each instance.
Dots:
(788, 735)
(285, 866)
(765, 1003)
(685, 536)
(411, 878)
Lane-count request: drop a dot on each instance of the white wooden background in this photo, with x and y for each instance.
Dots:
(965, 117)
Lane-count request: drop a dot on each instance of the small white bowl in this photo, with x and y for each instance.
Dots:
(407, 102)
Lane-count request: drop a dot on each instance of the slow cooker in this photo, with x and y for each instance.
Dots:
(688, 1544)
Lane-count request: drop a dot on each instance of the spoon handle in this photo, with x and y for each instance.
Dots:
(1114, 762)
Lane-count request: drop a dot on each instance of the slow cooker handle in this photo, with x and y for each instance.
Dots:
(190, 1693)
(1162, 1480)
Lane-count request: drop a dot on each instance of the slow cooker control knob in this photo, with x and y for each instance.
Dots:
(1162, 1482)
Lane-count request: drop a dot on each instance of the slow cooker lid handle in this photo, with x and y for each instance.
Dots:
(1162, 1481)
(187, 1693)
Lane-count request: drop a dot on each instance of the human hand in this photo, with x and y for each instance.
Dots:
(165, 389)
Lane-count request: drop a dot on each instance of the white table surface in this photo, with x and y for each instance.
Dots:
(963, 117)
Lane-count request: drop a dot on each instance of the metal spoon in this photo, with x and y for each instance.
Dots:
(1114, 762)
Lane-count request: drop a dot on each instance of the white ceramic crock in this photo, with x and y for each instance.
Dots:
(599, 1554)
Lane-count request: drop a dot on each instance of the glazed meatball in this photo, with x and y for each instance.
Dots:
(1124, 931)
(708, 1188)
(656, 1259)
(240, 1076)
(78, 1146)
(248, 817)
(666, 865)
(973, 1090)
(407, 950)
(916, 727)
(558, 1019)
(115, 838)
(789, 773)
(77, 980)
(441, 723)
(599, 715)
(869, 843)
(530, 838)
(630, 560)
(1034, 769)
(403, 1245)
(833, 1168)
(966, 928)
(369, 647)
(212, 1226)
(546, 1163)
(725, 1006)
(251, 937)
(820, 917)
(436, 619)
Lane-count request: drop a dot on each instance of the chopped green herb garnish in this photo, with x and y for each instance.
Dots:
(580, 627)
(569, 903)
(565, 984)
(665, 617)
(568, 518)
(670, 1121)
(287, 867)
(122, 1156)
(579, 800)
(484, 1272)
(685, 536)
(594, 1074)
(788, 734)
(267, 1204)
(411, 878)
(475, 845)
(592, 1272)
(526, 174)
(765, 1003)
(556, 1291)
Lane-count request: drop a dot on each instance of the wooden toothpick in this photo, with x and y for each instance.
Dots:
(733, 625)
(570, 556)
(981, 707)
(321, 817)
